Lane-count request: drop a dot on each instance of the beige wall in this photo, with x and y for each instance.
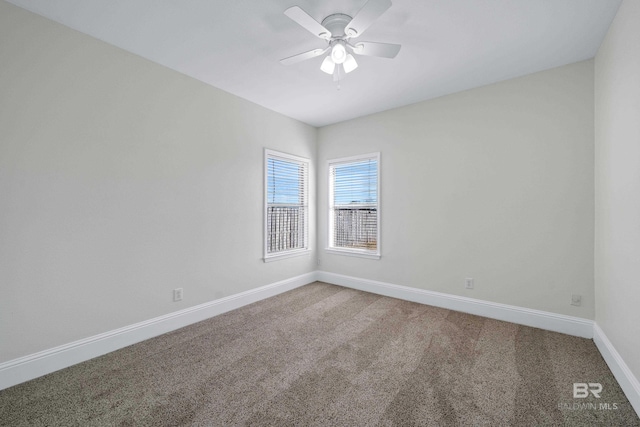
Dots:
(617, 136)
(119, 181)
(494, 183)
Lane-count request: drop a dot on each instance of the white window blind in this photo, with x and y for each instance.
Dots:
(286, 207)
(354, 216)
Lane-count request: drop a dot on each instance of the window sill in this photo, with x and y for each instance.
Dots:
(358, 254)
(284, 255)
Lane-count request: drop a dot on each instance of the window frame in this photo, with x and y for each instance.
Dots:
(269, 154)
(362, 253)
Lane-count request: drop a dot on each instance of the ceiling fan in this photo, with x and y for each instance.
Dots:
(339, 30)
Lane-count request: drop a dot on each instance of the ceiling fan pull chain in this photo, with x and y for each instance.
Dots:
(337, 76)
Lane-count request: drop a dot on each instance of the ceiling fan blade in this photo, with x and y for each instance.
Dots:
(366, 16)
(302, 56)
(307, 22)
(384, 50)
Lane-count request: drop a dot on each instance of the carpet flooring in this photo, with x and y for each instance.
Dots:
(327, 355)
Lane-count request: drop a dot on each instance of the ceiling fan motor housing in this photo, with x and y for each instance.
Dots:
(337, 23)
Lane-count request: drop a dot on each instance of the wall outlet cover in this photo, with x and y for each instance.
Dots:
(468, 283)
(576, 300)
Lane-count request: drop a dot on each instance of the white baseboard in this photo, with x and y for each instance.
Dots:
(523, 316)
(35, 365)
(628, 382)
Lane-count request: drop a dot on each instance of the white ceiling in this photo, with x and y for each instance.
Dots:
(447, 46)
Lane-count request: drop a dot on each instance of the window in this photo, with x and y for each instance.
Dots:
(354, 215)
(286, 213)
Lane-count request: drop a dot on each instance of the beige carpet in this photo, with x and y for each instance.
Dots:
(326, 355)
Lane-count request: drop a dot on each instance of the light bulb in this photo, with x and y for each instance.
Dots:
(338, 53)
(328, 65)
(350, 64)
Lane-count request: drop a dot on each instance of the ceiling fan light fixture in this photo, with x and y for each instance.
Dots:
(351, 32)
(328, 66)
(338, 52)
(350, 64)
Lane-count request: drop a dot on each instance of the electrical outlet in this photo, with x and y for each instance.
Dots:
(468, 283)
(318, 262)
(177, 294)
(576, 300)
